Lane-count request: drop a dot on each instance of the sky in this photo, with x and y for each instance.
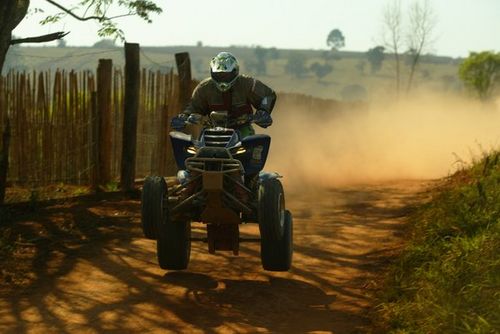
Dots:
(462, 25)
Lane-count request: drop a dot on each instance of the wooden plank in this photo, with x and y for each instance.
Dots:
(65, 129)
(22, 130)
(56, 126)
(5, 143)
(173, 110)
(4, 159)
(94, 140)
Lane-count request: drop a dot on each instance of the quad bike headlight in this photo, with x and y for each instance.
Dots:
(240, 150)
(191, 150)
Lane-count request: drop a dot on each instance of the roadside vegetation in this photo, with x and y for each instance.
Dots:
(448, 278)
(481, 73)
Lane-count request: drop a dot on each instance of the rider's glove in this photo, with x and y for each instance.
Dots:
(263, 118)
(179, 121)
(194, 118)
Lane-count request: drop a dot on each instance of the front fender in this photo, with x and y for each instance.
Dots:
(265, 176)
(180, 142)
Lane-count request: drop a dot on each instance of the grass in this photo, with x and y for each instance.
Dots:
(6, 245)
(17, 194)
(448, 278)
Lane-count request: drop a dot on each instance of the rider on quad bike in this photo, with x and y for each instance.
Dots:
(227, 90)
(220, 179)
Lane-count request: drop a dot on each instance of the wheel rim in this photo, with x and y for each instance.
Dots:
(281, 206)
(162, 204)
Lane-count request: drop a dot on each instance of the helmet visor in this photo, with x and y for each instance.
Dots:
(224, 77)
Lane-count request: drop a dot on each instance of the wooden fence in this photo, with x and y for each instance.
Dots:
(53, 119)
(52, 125)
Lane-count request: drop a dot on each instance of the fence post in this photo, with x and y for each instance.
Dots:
(94, 148)
(184, 69)
(104, 76)
(4, 149)
(164, 145)
(131, 108)
(186, 87)
(4, 159)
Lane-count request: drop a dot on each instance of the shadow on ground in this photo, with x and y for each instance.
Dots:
(82, 266)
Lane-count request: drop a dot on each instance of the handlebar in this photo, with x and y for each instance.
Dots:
(196, 118)
(215, 119)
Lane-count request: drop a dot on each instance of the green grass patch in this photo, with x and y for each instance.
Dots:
(448, 278)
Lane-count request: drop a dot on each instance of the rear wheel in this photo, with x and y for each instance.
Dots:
(276, 227)
(153, 194)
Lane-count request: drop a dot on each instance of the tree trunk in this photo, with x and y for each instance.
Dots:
(413, 67)
(4, 45)
(398, 72)
(11, 13)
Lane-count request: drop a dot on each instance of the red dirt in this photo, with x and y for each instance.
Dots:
(83, 267)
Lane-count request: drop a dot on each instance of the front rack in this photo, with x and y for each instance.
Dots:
(201, 165)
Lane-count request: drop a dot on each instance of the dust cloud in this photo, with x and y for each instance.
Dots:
(422, 137)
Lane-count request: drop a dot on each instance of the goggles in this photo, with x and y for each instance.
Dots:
(224, 77)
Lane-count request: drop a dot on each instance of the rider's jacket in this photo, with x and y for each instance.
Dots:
(246, 93)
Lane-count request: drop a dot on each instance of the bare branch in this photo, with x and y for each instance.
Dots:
(419, 39)
(87, 18)
(40, 39)
(80, 18)
(140, 8)
(393, 26)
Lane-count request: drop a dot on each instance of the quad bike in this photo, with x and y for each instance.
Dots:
(221, 184)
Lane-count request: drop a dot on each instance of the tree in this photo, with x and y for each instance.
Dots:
(321, 70)
(422, 21)
(12, 12)
(409, 55)
(261, 55)
(376, 57)
(480, 72)
(419, 30)
(105, 43)
(392, 26)
(296, 65)
(335, 39)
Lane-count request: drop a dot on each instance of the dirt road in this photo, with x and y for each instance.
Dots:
(92, 272)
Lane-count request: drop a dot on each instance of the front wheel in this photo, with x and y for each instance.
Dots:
(153, 194)
(276, 227)
(174, 244)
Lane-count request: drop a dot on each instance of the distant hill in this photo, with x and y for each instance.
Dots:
(341, 75)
